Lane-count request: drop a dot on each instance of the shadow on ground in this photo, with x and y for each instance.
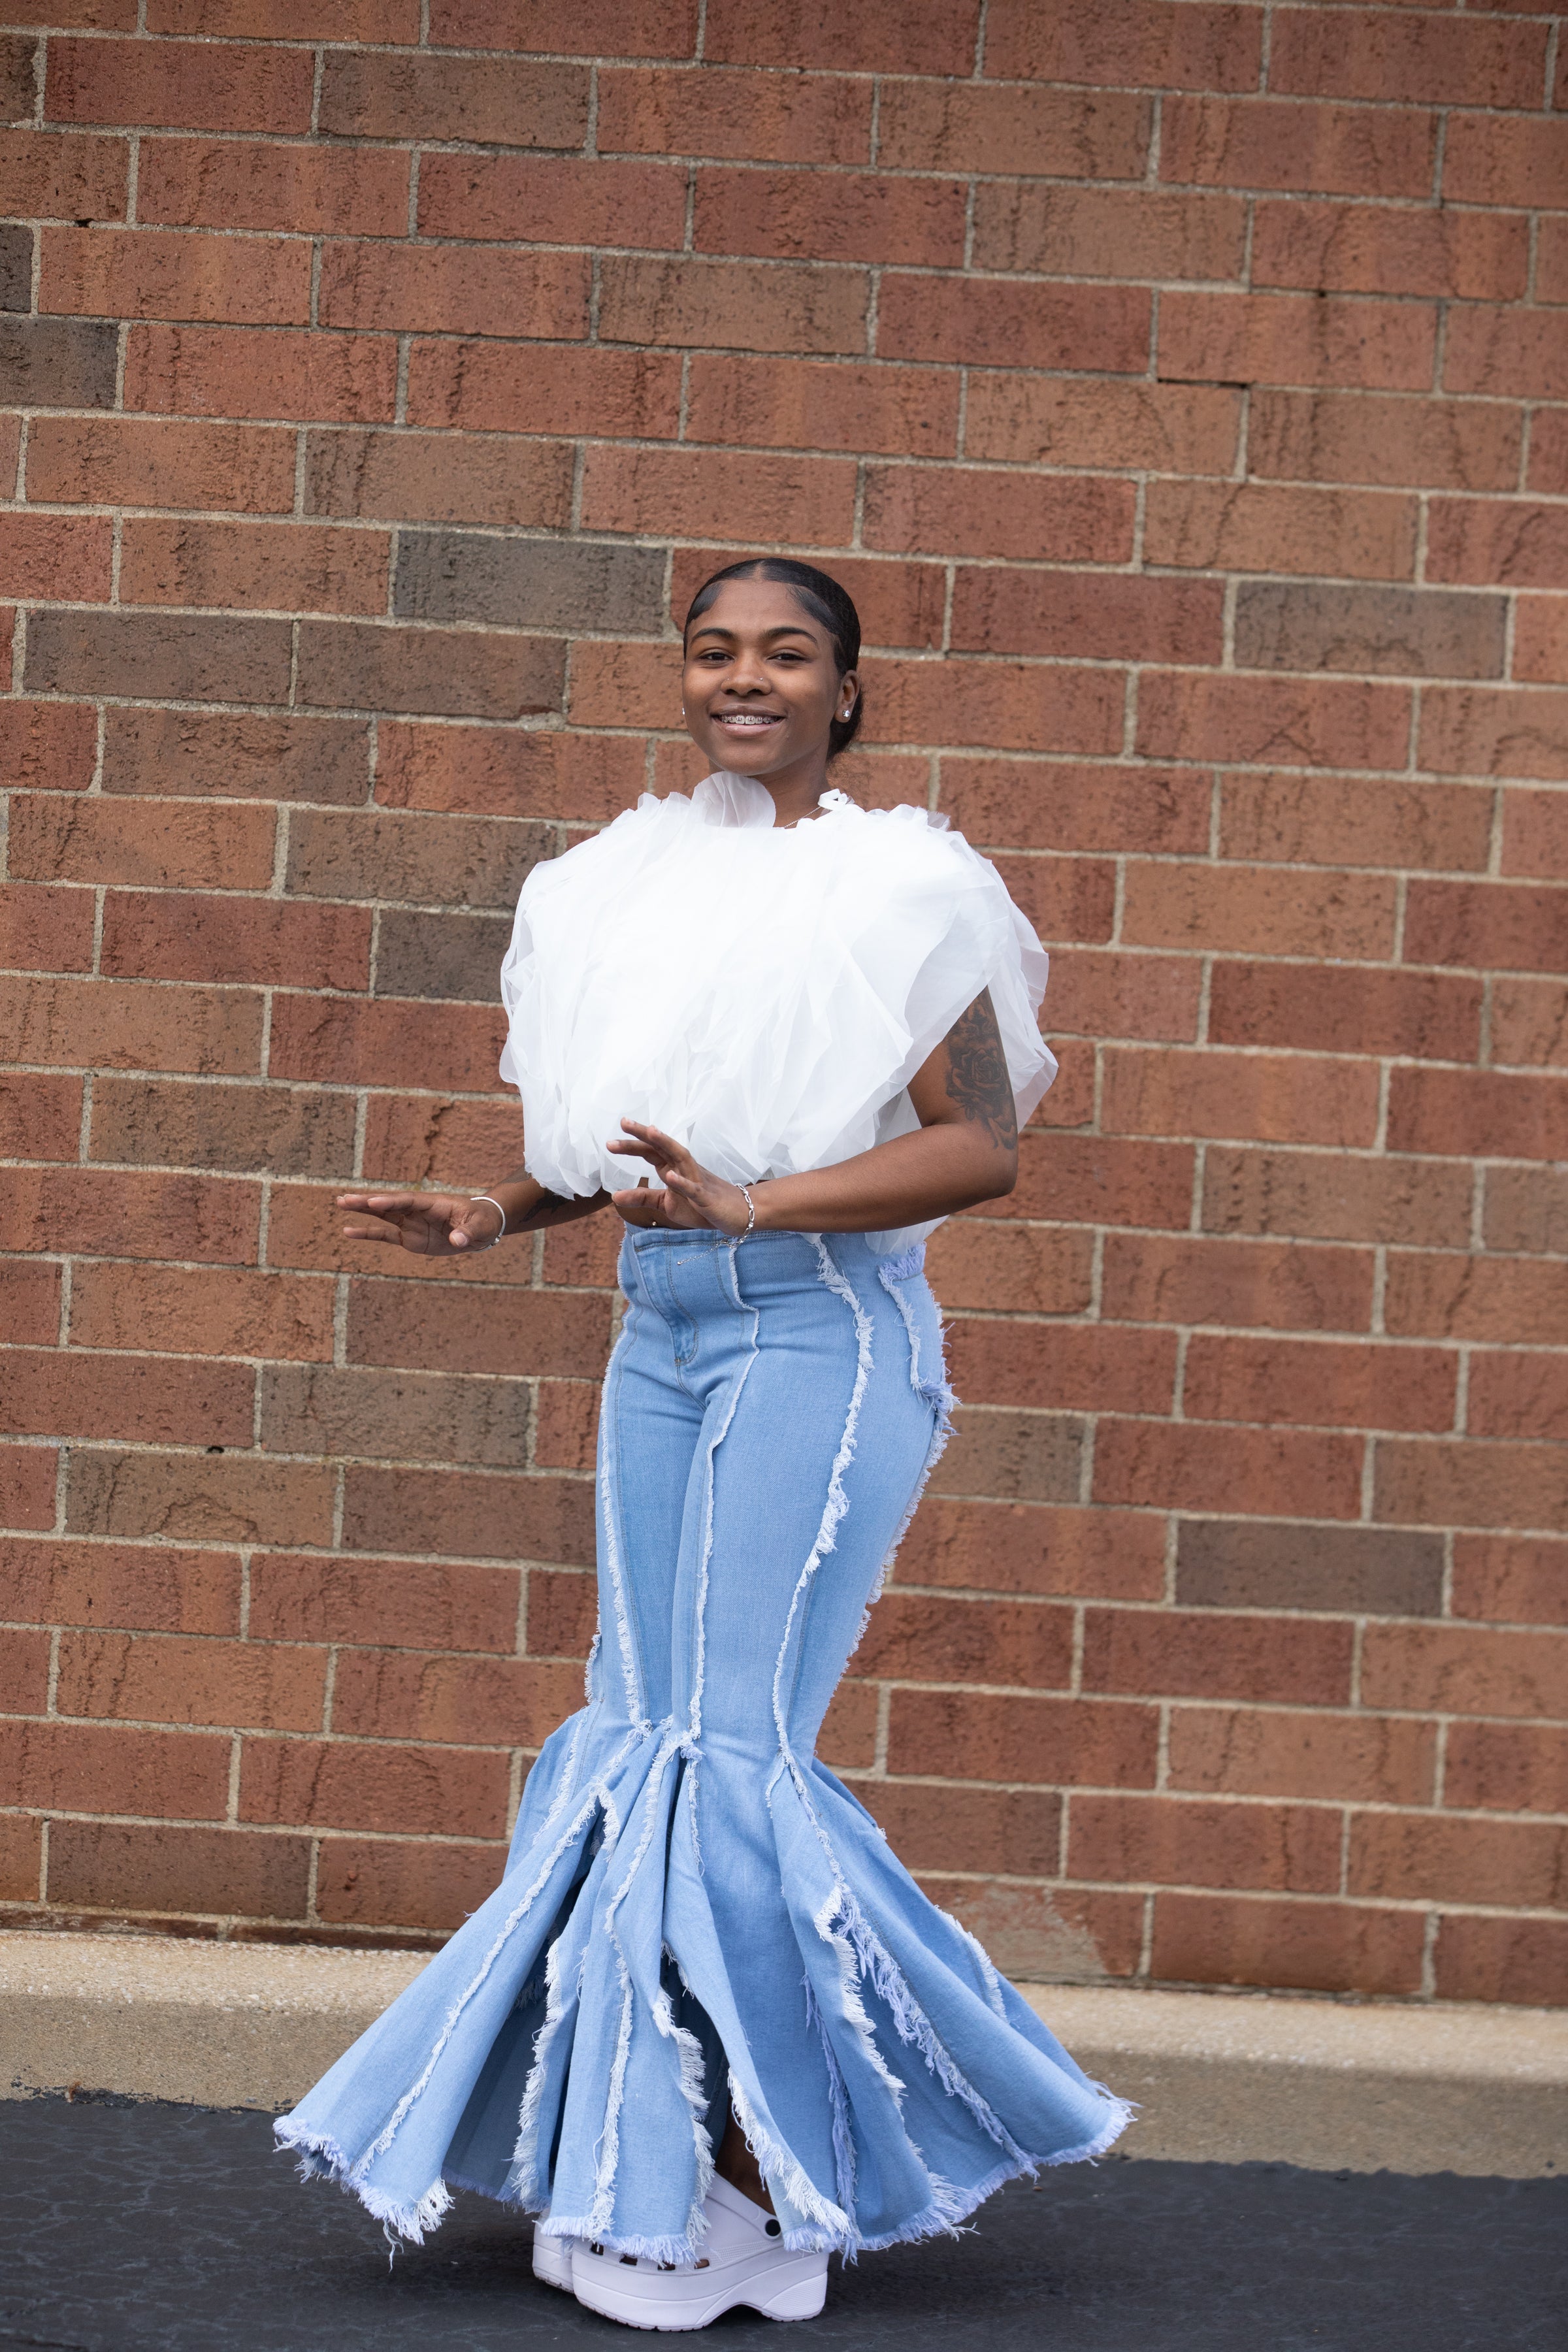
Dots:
(126, 2227)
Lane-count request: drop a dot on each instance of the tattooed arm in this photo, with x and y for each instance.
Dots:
(964, 1151)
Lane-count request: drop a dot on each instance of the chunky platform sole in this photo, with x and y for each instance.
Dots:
(778, 2284)
(552, 2260)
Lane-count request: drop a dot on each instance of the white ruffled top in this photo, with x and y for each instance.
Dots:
(762, 994)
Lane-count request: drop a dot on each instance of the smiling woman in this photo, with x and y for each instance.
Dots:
(706, 2027)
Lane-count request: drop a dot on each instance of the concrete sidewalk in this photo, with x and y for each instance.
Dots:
(1221, 2078)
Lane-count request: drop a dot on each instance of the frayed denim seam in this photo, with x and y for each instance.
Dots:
(694, 1712)
(609, 1495)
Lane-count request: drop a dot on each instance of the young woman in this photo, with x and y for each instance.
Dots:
(707, 2028)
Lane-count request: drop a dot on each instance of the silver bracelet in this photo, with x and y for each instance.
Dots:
(495, 1204)
(751, 1212)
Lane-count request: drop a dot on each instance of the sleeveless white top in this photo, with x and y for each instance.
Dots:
(764, 994)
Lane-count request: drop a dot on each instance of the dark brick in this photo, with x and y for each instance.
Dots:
(1374, 1571)
(1418, 632)
(1029, 1457)
(18, 74)
(528, 583)
(220, 754)
(458, 861)
(451, 673)
(58, 363)
(323, 1409)
(125, 1867)
(447, 956)
(16, 267)
(287, 1130)
(158, 656)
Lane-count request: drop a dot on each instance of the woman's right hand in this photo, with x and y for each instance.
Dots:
(431, 1224)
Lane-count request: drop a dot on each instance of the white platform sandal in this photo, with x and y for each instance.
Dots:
(552, 2260)
(744, 2260)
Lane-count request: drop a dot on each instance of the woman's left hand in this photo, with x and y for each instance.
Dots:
(687, 1195)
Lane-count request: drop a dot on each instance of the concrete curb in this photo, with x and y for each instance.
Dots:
(1221, 2078)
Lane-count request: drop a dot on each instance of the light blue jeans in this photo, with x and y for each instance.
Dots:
(697, 1918)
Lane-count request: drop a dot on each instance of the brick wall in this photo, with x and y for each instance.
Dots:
(1173, 385)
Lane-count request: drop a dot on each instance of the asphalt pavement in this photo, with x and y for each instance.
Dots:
(137, 2227)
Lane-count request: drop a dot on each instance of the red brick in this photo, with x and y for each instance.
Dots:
(93, 1768)
(1027, 1268)
(1274, 1098)
(1310, 1947)
(1513, 543)
(1296, 722)
(412, 858)
(1028, 805)
(990, 322)
(1081, 1368)
(551, 200)
(480, 387)
(1306, 820)
(49, 746)
(1291, 1849)
(251, 371)
(1506, 1301)
(463, 1702)
(483, 772)
(924, 37)
(1511, 925)
(1005, 705)
(935, 1826)
(1106, 233)
(1270, 142)
(1507, 1767)
(110, 461)
(793, 308)
(1114, 996)
(504, 1518)
(1478, 1113)
(1243, 1751)
(1039, 1933)
(794, 117)
(63, 176)
(27, 1477)
(25, 1673)
(1376, 249)
(225, 1872)
(168, 843)
(1050, 1740)
(288, 567)
(438, 477)
(1540, 640)
(98, 1023)
(200, 1498)
(1524, 1579)
(1204, 1653)
(403, 1883)
(1297, 338)
(30, 1303)
(45, 928)
(219, 1311)
(1262, 909)
(154, 1401)
(167, 274)
(1121, 617)
(316, 20)
(1502, 1959)
(178, 85)
(1442, 60)
(1525, 1210)
(1528, 1022)
(1064, 898)
(21, 1858)
(45, 556)
(420, 1606)
(392, 1043)
(263, 941)
(1024, 1548)
(1492, 731)
(164, 1123)
(1252, 527)
(563, 1616)
(344, 1784)
(1487, 160)
(487, 101)
(1197, 46)
(1428, 1858)
(802, 405)
(238, 184)
(964, 126)
(638, 489)
(1519, 353)
(444, 289)
(1104, 1180)
(1079, 519)
(916, 1637)
(1259, 1472)
(39, 1117)
(1028, 419)
(1327, 436)
(800, 217)
(162, 1679)
(1472, 1485)
(461, 673)
(1414, 1014)
(1356, 1387)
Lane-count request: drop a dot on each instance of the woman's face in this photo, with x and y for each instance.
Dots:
(760, 685)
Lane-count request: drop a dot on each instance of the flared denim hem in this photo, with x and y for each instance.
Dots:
(697, 1919)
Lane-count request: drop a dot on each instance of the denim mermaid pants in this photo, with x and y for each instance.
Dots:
(697, 1918)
